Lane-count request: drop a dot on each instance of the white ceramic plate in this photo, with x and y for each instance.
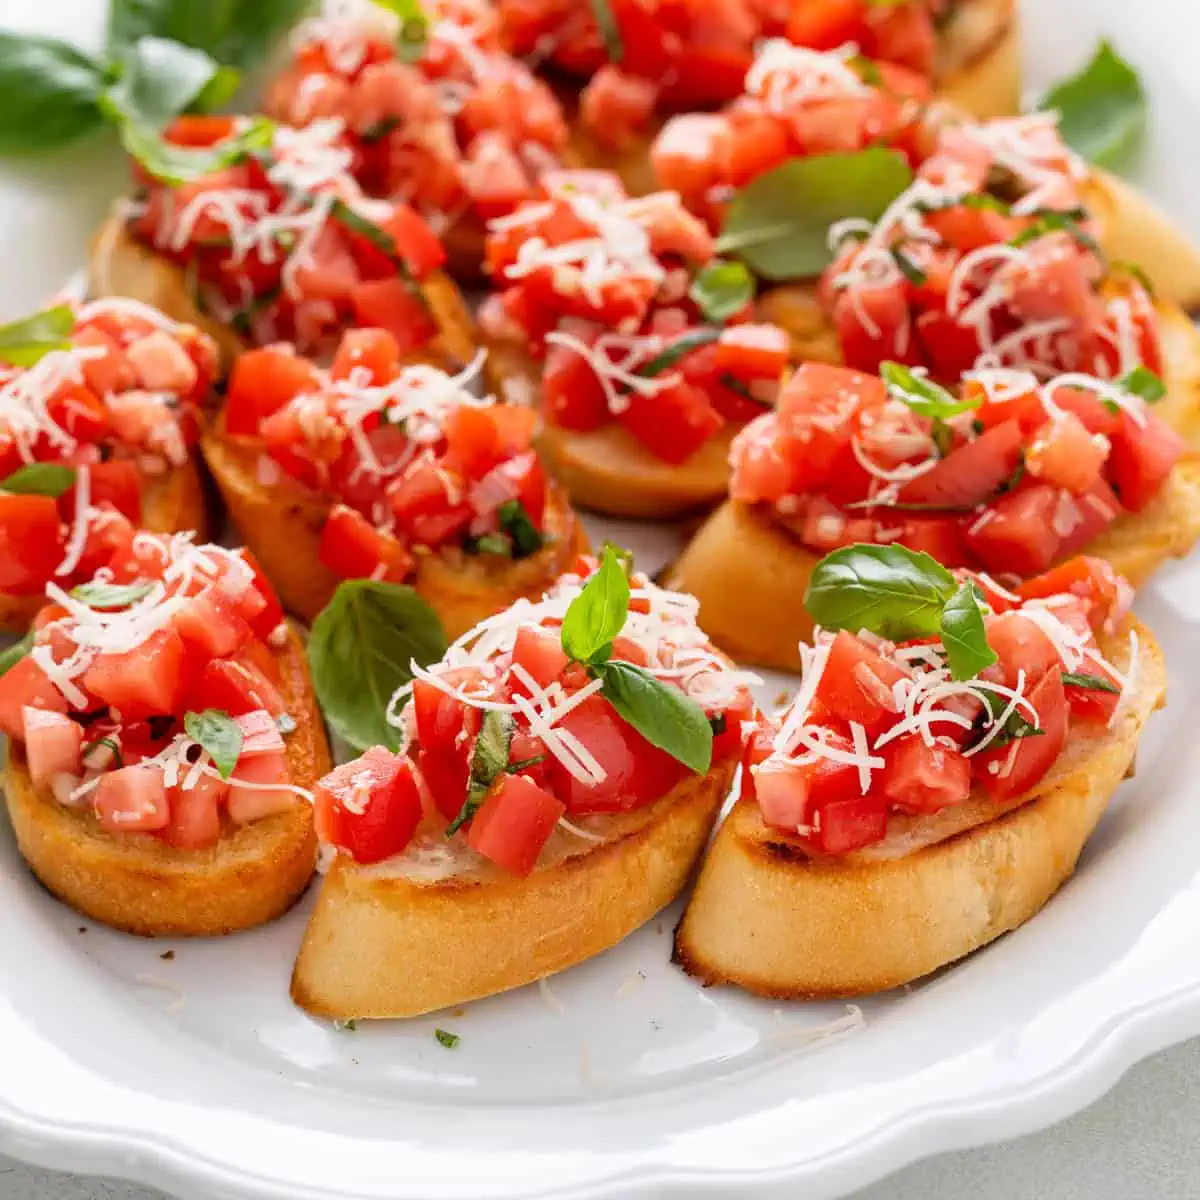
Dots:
(197, 1074)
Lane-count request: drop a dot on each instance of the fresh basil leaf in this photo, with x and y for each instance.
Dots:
(361, 650)
(489, 760)
(517, 523)
(963, 634)
(889, 590)
(1017, 726)
(111, 595)
(1050, 221)
(1143, 382)
(11, 655)
(597, 615)
(921, 394)
(218, 733)
(160, 78)
(1093, 683)
(1101, 110)
(40, 479)
(26, 342)
(779, 223)
(610, 31)
(237, 32)
(623, 556)
(49, 94)
(662, 714)
(446, 1038)
(414, 27)
(670, 354)
(111, 743)
(182, 164)
(722, 289)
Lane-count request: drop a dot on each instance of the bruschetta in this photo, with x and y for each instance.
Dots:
(440, 117)
(647, 372)
(1011, 476)
(374, 469)
(262, 235)
(910, 807)
(98, 430)
(648, 60)
(164, 738)
(535, 813)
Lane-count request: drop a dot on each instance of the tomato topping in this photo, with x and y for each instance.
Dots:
(195, 814)
(514, 822)
(261, 383)
(258, 787)
(857, 683)
(31, 542)
(25, 685)
(132, 800)
(923, 778)
(52, 745)
(1012, 769)
(370, 807)
(352, 548)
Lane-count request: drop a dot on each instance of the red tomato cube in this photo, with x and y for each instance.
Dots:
(143, 682)
(195, 820)
(369, 807)
(514, 822)
(26, 685)
(132, 800)
(52, 745)
(259, 787)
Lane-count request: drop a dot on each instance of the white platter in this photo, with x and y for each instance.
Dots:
(197, 1075)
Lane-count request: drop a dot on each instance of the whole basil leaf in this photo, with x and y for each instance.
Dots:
(921, 394)
(98, 594)
(11, 655)
(662, 714)
(1101, 110)
(889, 590)
(238, 33)
(27, 341)
(160, 78)
(40, 479)
(963, 634)
(722, 289)
(181, 164)
(49, 94)
(361, 650)
(219, 734)
(779, 223)
(597, 615)
(414, 27)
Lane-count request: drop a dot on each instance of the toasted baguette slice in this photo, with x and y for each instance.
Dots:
(171, 502)
(137, 883)
(119, 265)
(282, 523)
(750, 573)
(386, 944)
(768, 917)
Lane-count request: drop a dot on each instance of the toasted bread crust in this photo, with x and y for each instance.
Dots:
(139, 884)
(119, 265)
(386, 946)
(282, 525)
(771, 919)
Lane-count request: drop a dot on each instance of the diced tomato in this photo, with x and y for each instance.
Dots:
(446, 774)
(825, 24)
(694, 151)
(539, 653)
(753, 351)
(370, 807)
(260, 734)
(856, 684)
(939, 537)
(1091, 579)
(922, 778)
(25, 685)
(514, 822)
(441, 718)
(673, 423)
(1141, 459)
(162, 364)
(872, 325)
(1017, 533)
(372, 353)
(352, 548)
(636, 772)
(571, 391)
(615, 105)
(1092, 704)
(951, 348)
(259, 788)
(1013, 769)
(1066, 455)
(115, 482)
(758, 141)
(781, 791)
(195, 814)
(472, 441)
(200, 130)
(211, 625)
(415, 241)
(79, 411)
(1021, 646)
(971, 474)
(845, 825)
(132, 800)
(264, 619)
(108, 372)
(31, 541)
(52, 745)
(262, 382)
(148, 680)
(394, 304)
(423, 509)
(236, 686)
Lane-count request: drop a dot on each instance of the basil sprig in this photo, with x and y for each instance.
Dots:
(27, 341)
(779, 223)
(218, 733)
(40, 479)
(361, 650)
(722, 289)
(1102, 109)
(663, 715)
(900, 594)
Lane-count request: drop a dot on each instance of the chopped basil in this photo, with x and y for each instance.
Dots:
(218, 733)
(517, 523)
(380, 129)
(111, 595)
(674, 351)
(1093, 683)
(867, 69)
(11, 655)
(729, 380)
(183, 164)
(489, 760)
(1050, 221)
(1015, 727)
(722, 289)
(381, 240)
(963, 635)
(446, 1038)
(610, 32)
(26, 342)
(1143, 382)
(523, 764)
(112, 745)
(40, 479)
(350, 1026)
(908, 268)
(921, 394)
(490, 543)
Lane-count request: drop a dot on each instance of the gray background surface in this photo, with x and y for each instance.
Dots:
(1138, 1143)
